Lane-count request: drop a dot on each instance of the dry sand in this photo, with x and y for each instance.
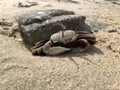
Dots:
(96, 69)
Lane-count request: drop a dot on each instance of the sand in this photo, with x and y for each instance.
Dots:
(95, 69)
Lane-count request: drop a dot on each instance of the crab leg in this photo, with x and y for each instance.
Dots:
(83, 44)
(63, 37)
(76, 32)
(76, 29)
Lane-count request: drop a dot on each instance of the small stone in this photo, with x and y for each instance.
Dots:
(118, 3)
(49, 5)
(95, 30)
(113, 30)
(27, 4)
(6, 28)
(13, 30)
(19, 40)
(5, 23)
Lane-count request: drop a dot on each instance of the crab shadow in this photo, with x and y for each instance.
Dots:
(70, 55)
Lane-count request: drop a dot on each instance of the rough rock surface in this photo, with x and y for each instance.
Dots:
(41, 15)
(40, 25)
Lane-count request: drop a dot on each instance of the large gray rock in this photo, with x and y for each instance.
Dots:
(40, 25)
(41, 15)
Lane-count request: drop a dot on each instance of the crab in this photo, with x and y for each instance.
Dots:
(64, 41)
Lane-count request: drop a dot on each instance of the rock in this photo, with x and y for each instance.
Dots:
(27, 4)
(19, 40)
(111, 0)
(48, 5)
(40, 25)
(112, 30)
(40, 16)
(13, 30)
(5, 23)
(70, 1)
(95, 30)
(114, 47)
(118, 3)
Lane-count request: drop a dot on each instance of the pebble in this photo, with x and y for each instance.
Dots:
(4, 23)
(113, 30)
(27, 4)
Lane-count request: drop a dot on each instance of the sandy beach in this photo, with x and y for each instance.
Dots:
(95, 69)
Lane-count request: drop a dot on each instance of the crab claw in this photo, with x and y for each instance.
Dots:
(50, 50)
(38, 51)
(83, 44)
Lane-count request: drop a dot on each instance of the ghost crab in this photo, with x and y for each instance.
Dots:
(63, 41)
